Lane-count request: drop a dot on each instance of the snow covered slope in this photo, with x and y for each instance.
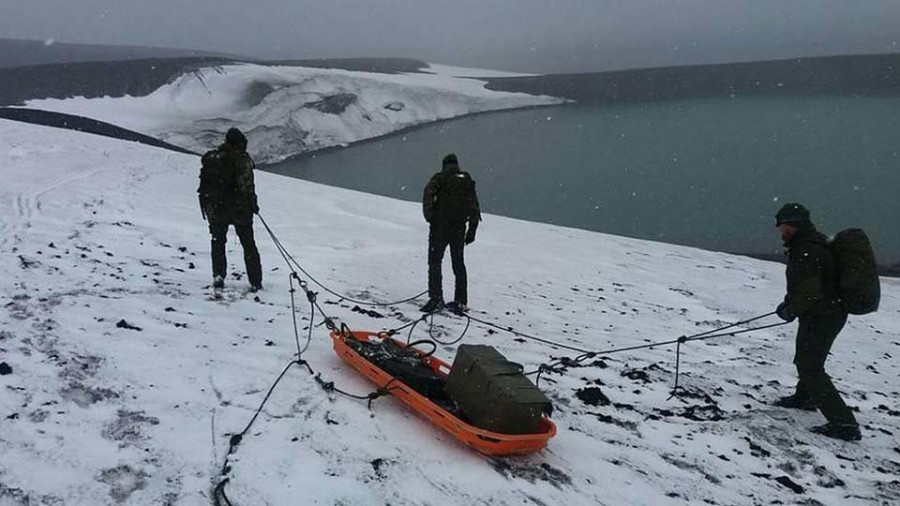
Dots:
(288, 110)
(127, 380)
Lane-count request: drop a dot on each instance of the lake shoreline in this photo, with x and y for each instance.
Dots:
(397, 133)
(651, 171)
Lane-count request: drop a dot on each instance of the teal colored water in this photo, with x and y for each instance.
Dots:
(708, 173)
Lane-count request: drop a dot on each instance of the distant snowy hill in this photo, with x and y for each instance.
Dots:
(125, 381)
(287, 110)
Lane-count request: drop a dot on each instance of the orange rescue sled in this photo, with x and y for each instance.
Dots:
(485, 441)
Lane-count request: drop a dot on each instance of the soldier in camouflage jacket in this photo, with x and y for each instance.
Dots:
(228, 197)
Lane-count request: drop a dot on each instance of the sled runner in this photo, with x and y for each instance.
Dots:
(423, 390)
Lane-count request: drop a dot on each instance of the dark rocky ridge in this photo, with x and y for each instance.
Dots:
(82, 124)
(18, 53)
(376, 65)
(859, 75)
(21, 53)
(94, 79)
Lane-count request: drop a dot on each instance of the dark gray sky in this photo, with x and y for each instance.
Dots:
(536, 35)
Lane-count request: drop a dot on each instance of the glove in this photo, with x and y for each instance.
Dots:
(784, 312)
(470, 235)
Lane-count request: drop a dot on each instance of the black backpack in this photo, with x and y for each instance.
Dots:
(455, 196)
(217, 181)
(859, 284)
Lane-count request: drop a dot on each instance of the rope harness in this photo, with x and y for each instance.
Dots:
(289, 259)
(559, 365)
(220, 497)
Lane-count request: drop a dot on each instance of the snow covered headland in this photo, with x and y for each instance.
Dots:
(127, 380)
(287, 110)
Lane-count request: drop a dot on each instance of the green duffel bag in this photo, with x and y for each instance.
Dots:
(493, 394)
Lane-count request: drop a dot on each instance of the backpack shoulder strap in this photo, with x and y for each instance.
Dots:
(210, 158)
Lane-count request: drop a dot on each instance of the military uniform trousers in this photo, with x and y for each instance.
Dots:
(243, 226)
(439, 237)
(815, 335)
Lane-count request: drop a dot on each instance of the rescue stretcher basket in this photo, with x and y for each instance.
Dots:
(484, 441)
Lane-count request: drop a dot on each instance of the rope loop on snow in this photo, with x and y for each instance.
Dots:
(294, 266)
(558, 365)
(328, 386)
(381, 392)
(220, 498)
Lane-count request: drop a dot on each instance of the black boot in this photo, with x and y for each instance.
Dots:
(433, 305)
(842, 431)
(457, 308)
(796, 402)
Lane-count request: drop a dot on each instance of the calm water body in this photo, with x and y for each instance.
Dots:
(708, 173)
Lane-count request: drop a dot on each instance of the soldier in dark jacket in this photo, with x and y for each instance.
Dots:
(228, 197)
(813, 297)
(449, 203)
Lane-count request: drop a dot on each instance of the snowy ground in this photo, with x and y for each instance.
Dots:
(289, 110)
(97, 233)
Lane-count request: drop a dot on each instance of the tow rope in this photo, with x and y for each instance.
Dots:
(559, 365)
